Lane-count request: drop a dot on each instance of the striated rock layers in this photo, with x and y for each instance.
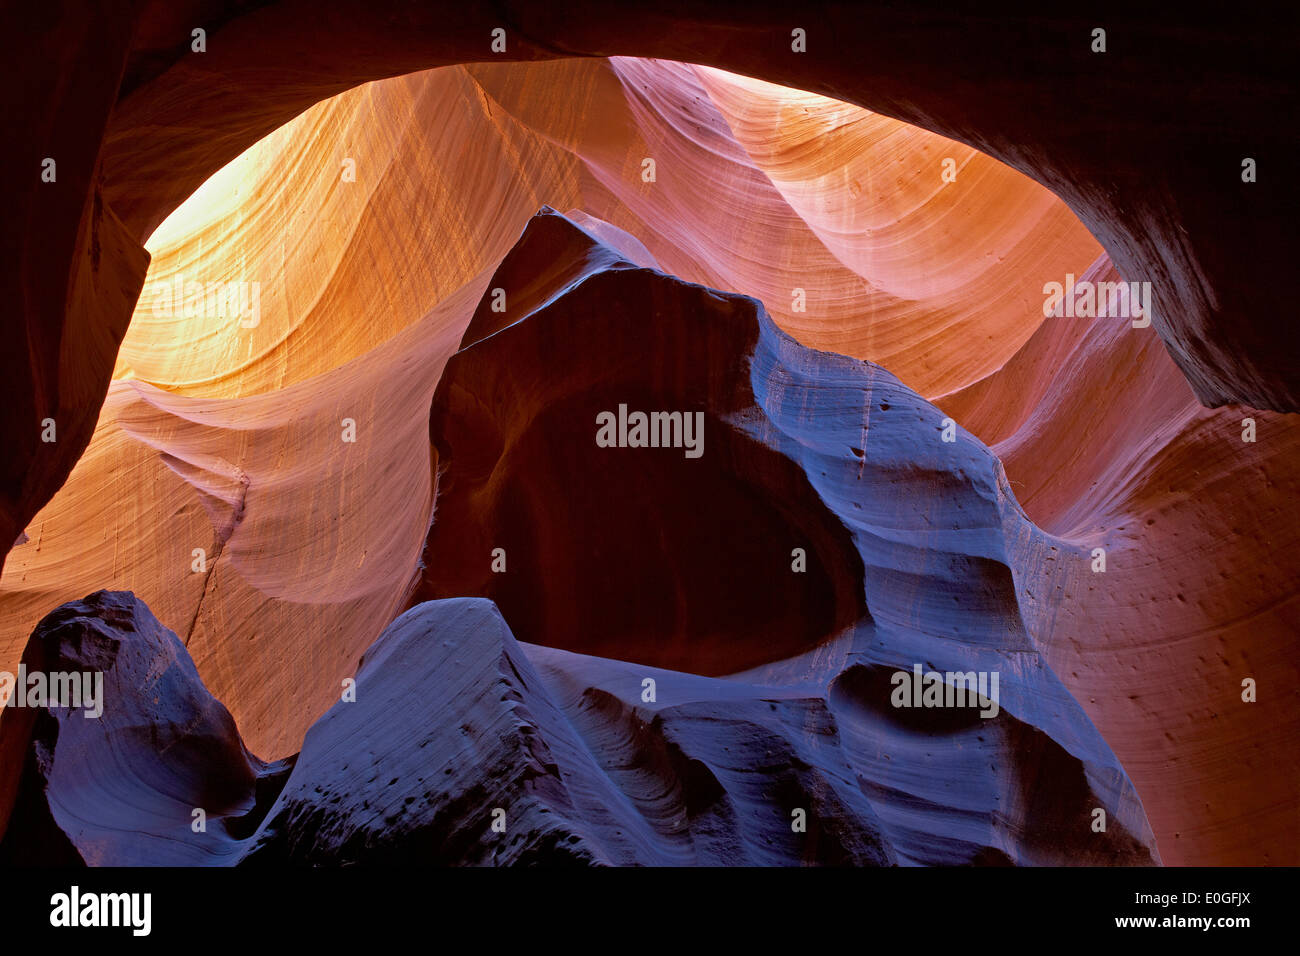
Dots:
(1148, 143)
(707, 644)
(226, 438)
(1106, 447)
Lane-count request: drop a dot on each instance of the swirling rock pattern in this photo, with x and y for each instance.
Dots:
(227, 439)
(1155, 174)
(613, 551)
(914, 540)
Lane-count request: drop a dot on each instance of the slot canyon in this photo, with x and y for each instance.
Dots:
(313, 329)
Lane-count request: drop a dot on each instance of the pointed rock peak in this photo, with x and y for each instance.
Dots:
(551, 256)
(620, 239)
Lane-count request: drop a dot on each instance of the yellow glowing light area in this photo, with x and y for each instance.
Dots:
(244, 263)
(200, 297)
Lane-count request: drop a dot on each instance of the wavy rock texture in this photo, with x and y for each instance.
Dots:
(582, 772)
(453, 721)
(1155, 173)
(230, 439)
(1106, 446)
(309, 543)
(662, 559)
(742, 201)
(908, 540)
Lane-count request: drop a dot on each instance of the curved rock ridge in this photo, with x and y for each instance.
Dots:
(912, 541)
(610, 566)
(307, 275)
(709, 775)
(224, 438)
(459, 745)
(629, 552)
